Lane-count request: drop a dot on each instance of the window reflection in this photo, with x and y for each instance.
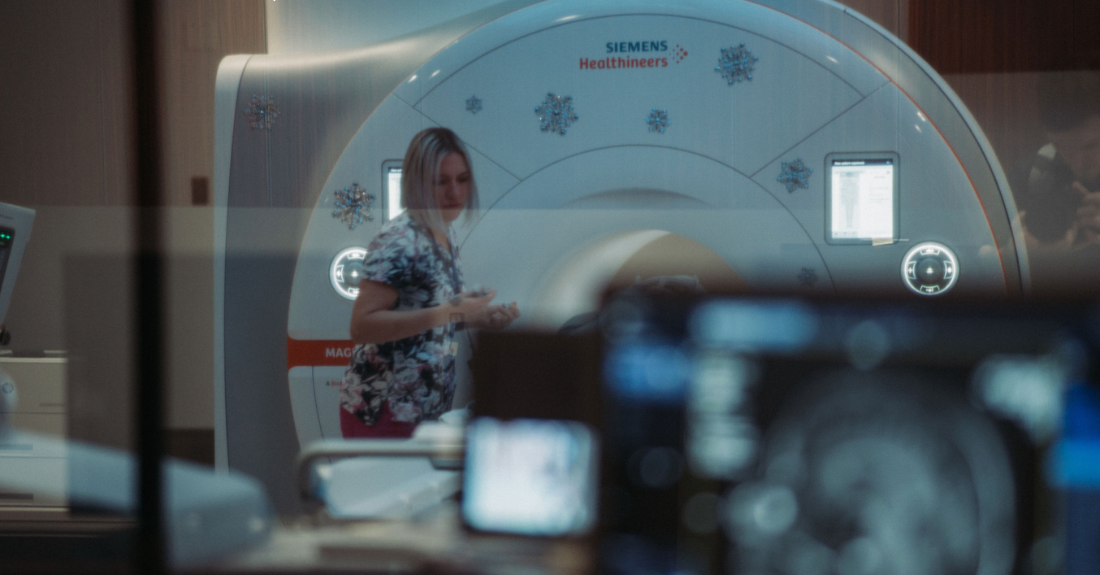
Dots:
(1026, 74)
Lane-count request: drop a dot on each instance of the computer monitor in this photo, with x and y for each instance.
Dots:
(532, 449)
(15, 229)
(768, 435)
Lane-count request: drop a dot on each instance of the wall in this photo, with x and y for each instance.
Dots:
(1003, 36)
(65, 151)
(63, 117)
(996, 54)
(324, 25)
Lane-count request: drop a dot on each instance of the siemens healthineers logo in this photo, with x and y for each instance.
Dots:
(638, 54)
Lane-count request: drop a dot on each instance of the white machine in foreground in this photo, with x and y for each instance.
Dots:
(804, 146)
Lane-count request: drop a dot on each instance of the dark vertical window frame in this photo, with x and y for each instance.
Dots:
(149, 551)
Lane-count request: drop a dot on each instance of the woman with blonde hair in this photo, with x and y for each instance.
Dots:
(412, 298)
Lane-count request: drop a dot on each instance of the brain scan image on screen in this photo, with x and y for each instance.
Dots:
(862, 477)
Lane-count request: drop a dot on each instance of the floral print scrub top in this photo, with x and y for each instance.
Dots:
(415, 376)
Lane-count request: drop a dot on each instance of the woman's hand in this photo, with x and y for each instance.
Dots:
(373, 319)
(499, 317)
(471, 307)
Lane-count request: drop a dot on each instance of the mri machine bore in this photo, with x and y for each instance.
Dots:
(804, 147)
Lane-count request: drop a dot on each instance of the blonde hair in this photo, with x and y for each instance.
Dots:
(420, 171)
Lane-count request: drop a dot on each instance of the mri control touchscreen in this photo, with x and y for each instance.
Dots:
(861, 198)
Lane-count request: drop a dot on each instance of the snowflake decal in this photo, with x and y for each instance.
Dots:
(807, 277)
(556, 113)
(736, 64)
(353, 204)
(657, 120)
(795, 175)
(473, 104)
(678, 54)
(261, 112)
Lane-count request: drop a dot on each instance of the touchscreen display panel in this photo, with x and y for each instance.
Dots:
(862, 198)
(391, 175)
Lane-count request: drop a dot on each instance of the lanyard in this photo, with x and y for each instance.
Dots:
(452, 267)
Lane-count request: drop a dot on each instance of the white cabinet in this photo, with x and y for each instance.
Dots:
(38, 384)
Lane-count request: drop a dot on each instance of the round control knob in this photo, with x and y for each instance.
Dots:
(930, 269)
(346, 272)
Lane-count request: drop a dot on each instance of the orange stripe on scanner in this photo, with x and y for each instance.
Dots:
(311, 352)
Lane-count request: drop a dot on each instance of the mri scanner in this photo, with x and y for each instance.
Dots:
(796, 141)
